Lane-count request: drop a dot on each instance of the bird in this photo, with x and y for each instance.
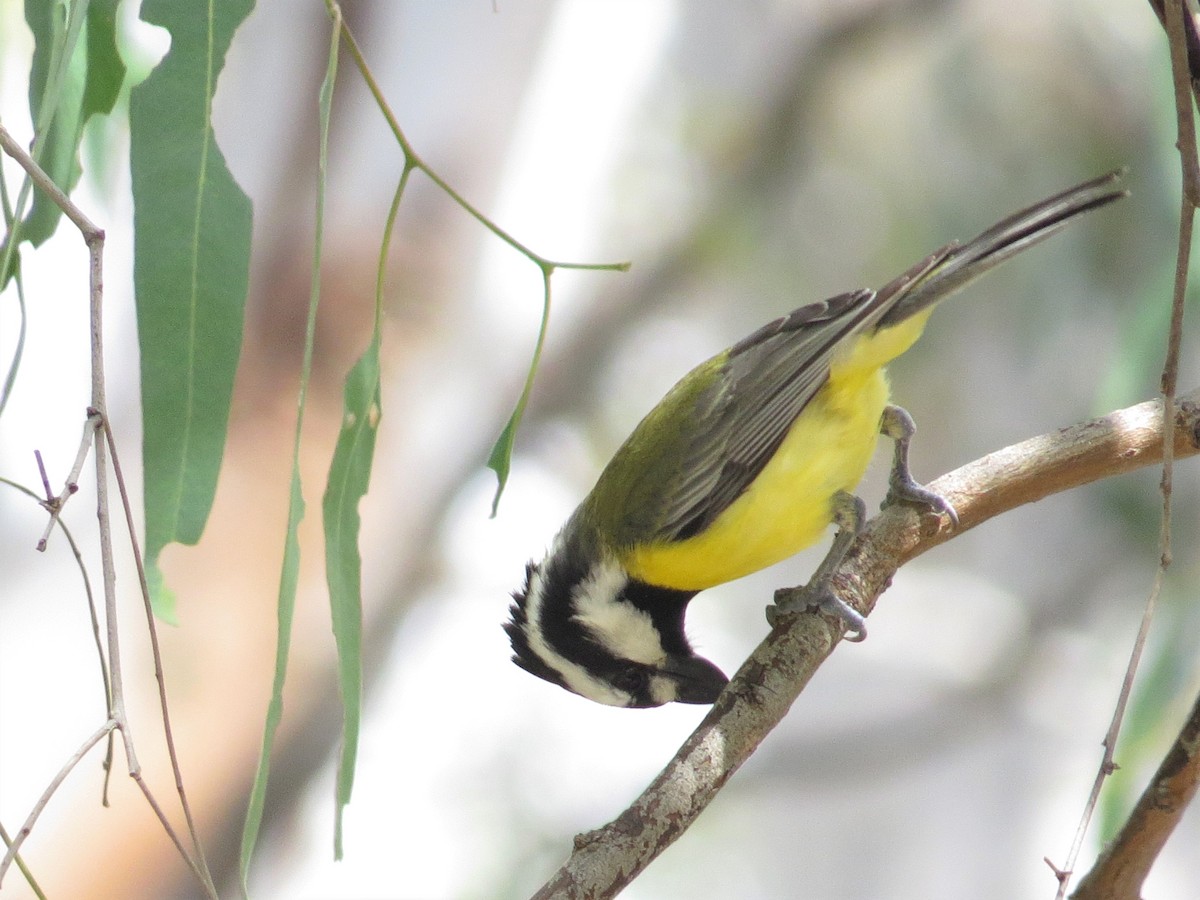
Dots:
(747, 460)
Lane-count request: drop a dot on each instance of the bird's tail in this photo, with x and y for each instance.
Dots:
(956, 266)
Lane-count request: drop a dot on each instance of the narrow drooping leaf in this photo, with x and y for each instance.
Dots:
(500, 458)
(288, 579)
(286, 610)
(349, 476)
(191, 267)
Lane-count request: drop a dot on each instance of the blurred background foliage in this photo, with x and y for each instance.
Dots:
(747, 158)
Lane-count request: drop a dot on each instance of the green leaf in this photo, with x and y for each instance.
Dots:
(349, 475)
(105, 69)
(291, 558)
(192, 228)
(288, 581)
(56, 81)
(69, 82)
(500, 459)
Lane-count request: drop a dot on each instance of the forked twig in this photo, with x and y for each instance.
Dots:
(54, 504)
(93, 237)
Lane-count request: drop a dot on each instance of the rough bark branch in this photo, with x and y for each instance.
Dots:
(760, 694)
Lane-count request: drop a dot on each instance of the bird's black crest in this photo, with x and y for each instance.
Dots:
(517, 630)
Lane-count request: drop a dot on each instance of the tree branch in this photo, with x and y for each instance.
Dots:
(118, 720)
(1180, 26)
(1125, 863)
(763, 690)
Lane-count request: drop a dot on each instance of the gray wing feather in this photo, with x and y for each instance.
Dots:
(769, 378)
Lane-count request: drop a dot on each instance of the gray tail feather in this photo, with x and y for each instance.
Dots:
(960, 265)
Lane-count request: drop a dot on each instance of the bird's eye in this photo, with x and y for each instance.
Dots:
(632, 680)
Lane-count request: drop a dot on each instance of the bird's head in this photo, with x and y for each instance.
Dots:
(595, 631)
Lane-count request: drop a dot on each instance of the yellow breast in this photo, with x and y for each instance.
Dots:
(787, 508)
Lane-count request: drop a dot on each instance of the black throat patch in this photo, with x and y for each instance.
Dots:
(560, 574)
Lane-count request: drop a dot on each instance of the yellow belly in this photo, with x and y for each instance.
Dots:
(787, 508)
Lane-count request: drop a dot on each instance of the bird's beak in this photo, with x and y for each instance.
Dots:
(697, 680)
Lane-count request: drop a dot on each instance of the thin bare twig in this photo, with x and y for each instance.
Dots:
(117, 717)
(44, 799)
(1123, 866)
(49, 491)
(156, 653)
(1192, 36)
(54, 504)
(46, 184)
(1185, 63)
(199, 866)
(1108, 763)
(93, 615)
(29, 878)
(763, 690)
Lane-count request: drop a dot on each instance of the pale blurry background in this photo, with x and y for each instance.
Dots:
(746, 158)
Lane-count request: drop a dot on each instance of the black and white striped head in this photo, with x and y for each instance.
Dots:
(595, 631)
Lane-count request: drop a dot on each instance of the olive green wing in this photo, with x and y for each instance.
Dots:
(709, 438)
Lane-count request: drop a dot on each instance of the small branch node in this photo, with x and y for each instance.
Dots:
(54, 504)
(1062, 875)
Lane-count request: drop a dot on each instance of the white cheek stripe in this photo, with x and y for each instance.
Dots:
(624, 629)
(575, 676)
